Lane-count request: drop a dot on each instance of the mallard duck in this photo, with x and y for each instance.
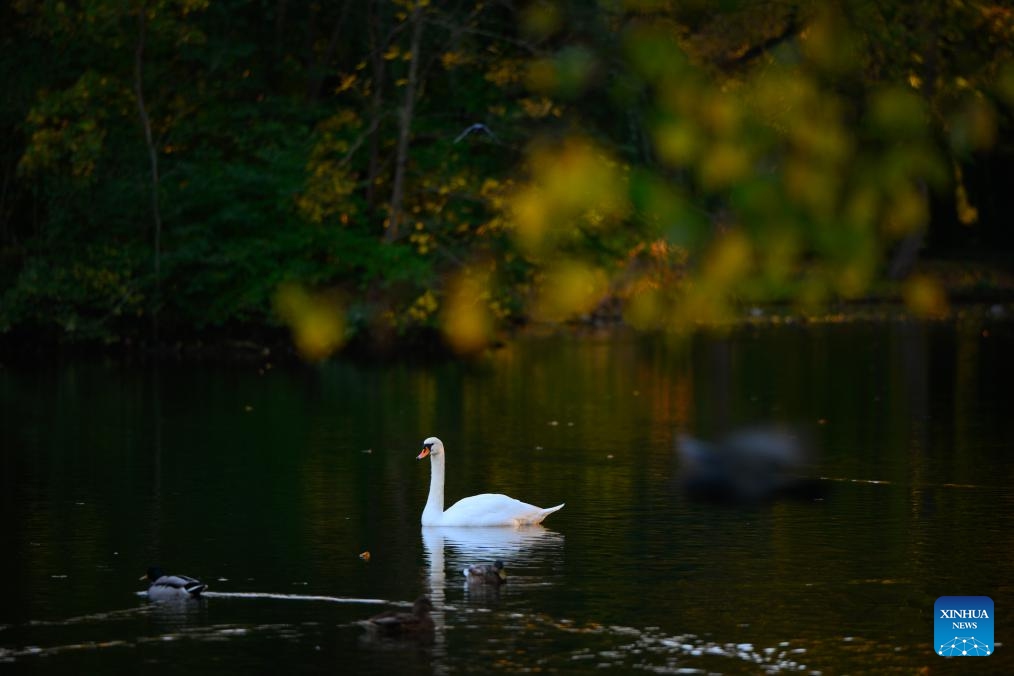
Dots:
(484, 573)
(488, 509)
(165, 587)
(400, 623)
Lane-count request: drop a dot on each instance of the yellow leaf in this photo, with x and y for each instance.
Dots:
(925, 296)
(677, 143)
(853, 279)
(723, 164)
(536, 108)
(317, 321)
(729, 259)
(570, 288)
(644, 310)
(466, 322)
(722, 114)
(907, 211)
(529, 211)
(345, 83)
(451, 60)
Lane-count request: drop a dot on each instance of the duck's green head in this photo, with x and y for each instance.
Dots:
(154, 573)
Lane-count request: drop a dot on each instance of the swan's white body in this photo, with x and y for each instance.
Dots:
(488, 509)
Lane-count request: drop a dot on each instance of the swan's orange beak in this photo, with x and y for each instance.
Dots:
(422, 454)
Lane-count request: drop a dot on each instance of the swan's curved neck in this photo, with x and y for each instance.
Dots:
(435, 503)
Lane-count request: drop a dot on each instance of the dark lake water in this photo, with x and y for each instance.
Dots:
(268, 483)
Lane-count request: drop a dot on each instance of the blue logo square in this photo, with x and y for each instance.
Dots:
(963, 626)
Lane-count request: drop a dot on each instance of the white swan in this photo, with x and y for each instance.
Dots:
(488, 509)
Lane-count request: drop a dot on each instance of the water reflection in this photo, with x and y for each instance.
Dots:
(516, 547)
(485, 545)
(529, 546)
(170, 614)
(912, 424)
(526, 549)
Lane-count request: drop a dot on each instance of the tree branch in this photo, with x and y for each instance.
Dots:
(142, 110)
(405, 128)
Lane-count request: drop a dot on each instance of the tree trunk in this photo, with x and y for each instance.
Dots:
(152, 155)
(405, 128)
(377, 62)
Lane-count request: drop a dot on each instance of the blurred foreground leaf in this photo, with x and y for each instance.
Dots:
(317, 320)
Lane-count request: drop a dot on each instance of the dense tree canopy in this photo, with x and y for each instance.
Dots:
(371, 169)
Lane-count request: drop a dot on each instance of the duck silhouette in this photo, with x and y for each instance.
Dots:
(164, 587)
(485, 573)
(400, 623)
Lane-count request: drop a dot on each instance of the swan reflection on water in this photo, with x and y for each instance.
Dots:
(519, 548)
(454, 549)
(473, 545)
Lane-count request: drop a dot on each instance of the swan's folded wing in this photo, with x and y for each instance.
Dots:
(494, 509)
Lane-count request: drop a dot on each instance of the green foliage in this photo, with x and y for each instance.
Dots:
(807, 136)
(85, 293)
(675, 160)
(69, 128)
